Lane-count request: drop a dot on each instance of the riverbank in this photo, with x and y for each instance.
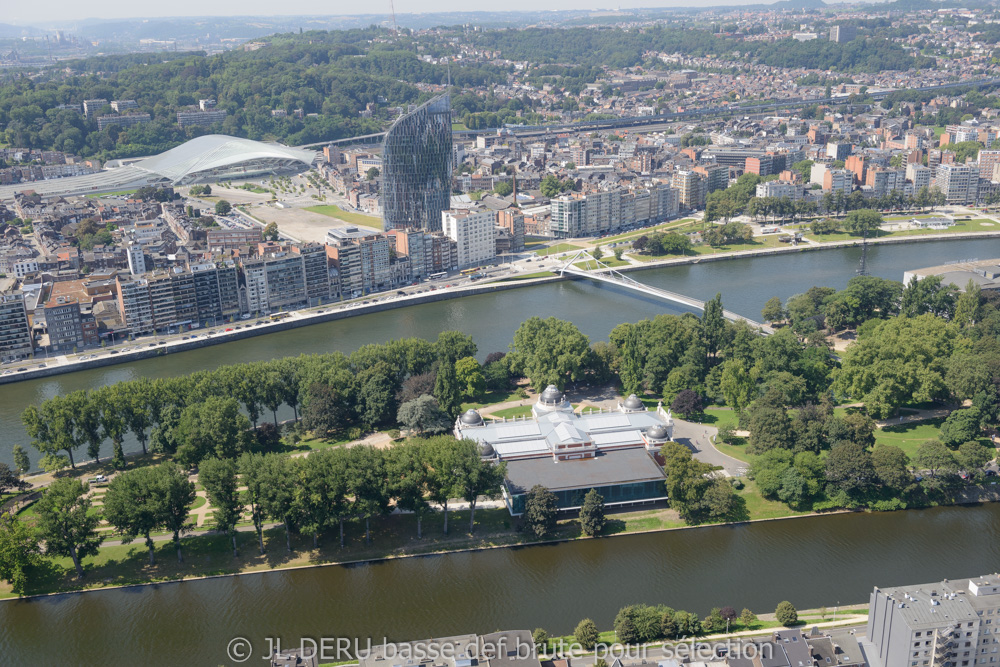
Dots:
(210, 556)
(149, 348)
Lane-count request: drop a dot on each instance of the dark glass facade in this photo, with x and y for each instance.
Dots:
(612, 493)
(417, 166)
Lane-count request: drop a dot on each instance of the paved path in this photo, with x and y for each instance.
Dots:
(698, 438)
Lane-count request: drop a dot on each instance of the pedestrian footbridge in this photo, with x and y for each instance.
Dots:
(605, 274)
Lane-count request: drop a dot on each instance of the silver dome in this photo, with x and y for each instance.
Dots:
(633, 402)
(486, 449)
(551, 395)
(471, 418)
(657, 432)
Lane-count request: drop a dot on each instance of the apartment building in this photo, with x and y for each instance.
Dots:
(838, 180)
(124, 120)
(427, 252)
(919, 175)
(958, 182)
(64, 323)
(315, 271)
(15, 332)
(361, 257)
(884, 181)
(91, 107)
(779, 189)
(988, 160)
(474, 234)
(205, 118)
(133, 303)
(716, 176)
(690, 187)
(232, 238)
(942, 624)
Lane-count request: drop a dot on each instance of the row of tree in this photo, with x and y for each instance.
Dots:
(308, 496)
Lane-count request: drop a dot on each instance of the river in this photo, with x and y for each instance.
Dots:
(491, 319)
(811, 561)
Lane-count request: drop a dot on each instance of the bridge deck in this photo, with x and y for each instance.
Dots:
(607, 275)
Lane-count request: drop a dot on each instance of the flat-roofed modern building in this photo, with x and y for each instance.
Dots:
(15, 333)
(613, 452)
(417, 166)
(942, 624)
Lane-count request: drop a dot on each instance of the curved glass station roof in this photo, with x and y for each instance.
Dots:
(205, 159)
(216, 156)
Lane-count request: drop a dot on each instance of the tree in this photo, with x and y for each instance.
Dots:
(747, 618)
(176, 495)
(504, 188)
(212, 427)
(10, 480)
(934, 457)
(773, 310)
(476, 477)
(271, 231)
(972, 456)
(64, 522)
(687, 403)
(368, 479)
(409, 471)
(786, 614)
(469, 375)
(737, 385)
(19, 551)
(597, 253)
(592, 517)
(961, 426)
(863, 222)
(22, 464)
(443, 457)
(134, 507)
(849, 467)
(219, 478)
(713, 324)
(728, 614)
(891, 466)
(422, 415)
(549, 351)
(586, 634)
(251, 468)
(540, 637)
(540, 510)
(447, 389)
(372, 173)
(222, 207)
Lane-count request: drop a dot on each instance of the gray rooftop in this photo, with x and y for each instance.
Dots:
(930, 605)
(623, 466)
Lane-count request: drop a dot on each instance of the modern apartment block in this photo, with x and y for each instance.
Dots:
(843, 33)
(919, 175)
(474, 234)
(943, 624)
(838, 180)
(15, 332)
(958, 182)
(217, 292)
(91, 107)
(593, 213)
(315, 271)
(361, 257)
(779, 189)
(427, 253)
(201, 118)
(417, 167)
(65, 325)
(124, 120)
(691, 188)
(988, 159)
(121, 106)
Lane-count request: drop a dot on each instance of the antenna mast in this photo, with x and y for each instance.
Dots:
(395, 28)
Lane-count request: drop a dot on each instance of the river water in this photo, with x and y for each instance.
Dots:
(745, 284)
(812, 561)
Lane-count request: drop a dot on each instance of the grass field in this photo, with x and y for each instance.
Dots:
(556, 249)
(909, 437)
(607, 261)
(110, 194)
(628, 236)
(334, 211)
(527, 276)
(960, 227)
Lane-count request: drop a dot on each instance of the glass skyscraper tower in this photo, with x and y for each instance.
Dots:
(417, 166)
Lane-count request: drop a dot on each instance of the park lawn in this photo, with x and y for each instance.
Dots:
(459, 127)
(759, 507)
(110, 194)
(334, 211)
(527, 276)
(607, 261)
(557, 248)
(491, 398)
(960, 227)
(627, 236)
(315, 443)
(909, 437)
(770, 241)
(719, 417)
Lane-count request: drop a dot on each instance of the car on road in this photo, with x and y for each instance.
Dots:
(100, 479)
(21, 370)
(229, 329)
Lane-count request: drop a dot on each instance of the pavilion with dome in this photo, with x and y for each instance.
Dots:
(613, 451)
